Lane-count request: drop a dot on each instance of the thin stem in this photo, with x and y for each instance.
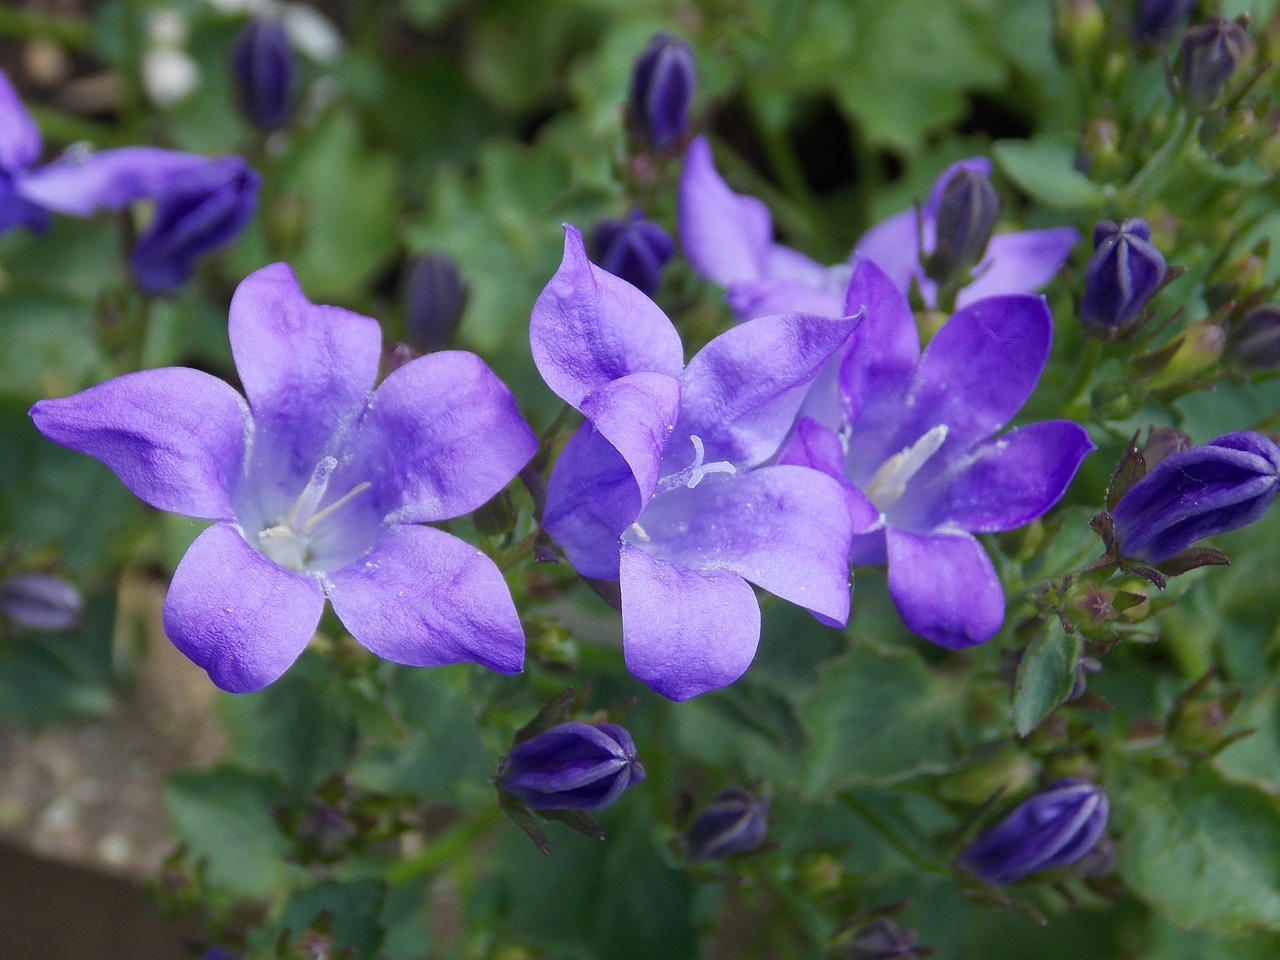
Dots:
(1147, 181)
(517, 551)
(1084, 372)
(454, 843)
(890, 835)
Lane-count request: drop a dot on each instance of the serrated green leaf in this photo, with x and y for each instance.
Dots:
(1045, 676)
(355, 908)
(1044, 169)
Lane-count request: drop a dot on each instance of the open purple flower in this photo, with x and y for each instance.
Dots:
(729, 239)
(914, 447)
(199, 203)
(669, 487)
(320, 485)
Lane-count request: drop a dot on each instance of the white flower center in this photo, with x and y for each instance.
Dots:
(890, 481)
(692, 475)
(289, 541)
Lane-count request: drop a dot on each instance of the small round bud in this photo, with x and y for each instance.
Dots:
(662, 83)
(262, 67)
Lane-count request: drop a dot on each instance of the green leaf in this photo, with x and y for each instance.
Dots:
(1045, 676)
(1204, 851)
(1044, 169)
(224, 817)
(879, 717)
(355, 908)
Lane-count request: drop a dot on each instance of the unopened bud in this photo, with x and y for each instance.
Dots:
(735, 823)
(1078, 26)
(662, 83)
(1211, 53)
(262, 66)
(1255, 340)
(634, 249)
(38, 601)
(1123, 273)
(1199, 347)
(1154, 19)
(434, 299)
(966, 216)
(571, 766)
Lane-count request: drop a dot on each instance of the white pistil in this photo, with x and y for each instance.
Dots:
(693, 474)
(288, 542)
(890, 481)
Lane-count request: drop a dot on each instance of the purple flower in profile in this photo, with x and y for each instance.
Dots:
(729, 239)
(319, 485)
(572, 766)
(1215, 487)
(670, 487)
(199, 203)
(910, 436)
(1052, 828)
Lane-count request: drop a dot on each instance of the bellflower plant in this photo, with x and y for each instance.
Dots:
(1221, 485)
(1052, 828)
(669, 487)
(913, 444)
(728, 238)
(572, 766)
(319, 485)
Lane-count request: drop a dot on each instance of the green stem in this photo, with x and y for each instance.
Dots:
(450, 845)
(1148, 181)
(516, 552)
(1075, 402)
(890, 835)
(25, 25)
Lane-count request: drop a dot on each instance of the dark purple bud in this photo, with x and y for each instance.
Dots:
(1152, 19)
(735, 823)
(882, 939)
(1218, 486)
(38, 601)
(572, 766)
(1255, 340)
(1052, 828)
(262, 67)
(1123, 272)
(434, 298)
(662, 84)
(202, 210)
(966, 216)
(634, 249)
(1211, 52)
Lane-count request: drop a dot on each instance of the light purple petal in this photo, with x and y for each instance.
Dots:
(238, 615)
(588, 328)
(636, 414)
(881, 359)
(592, 498)
(761, 298)
(1020, 262)
(1009, 481)
(19, 135)
(783, 528)
(818, 447)
(783, 263)
(944, 587)
(442, 435)
(742, 391)
(424, 598)
(725, 235)
(81, 184)
(175, 437)
(980, 368)
(307, 371)
(685, 632)
(893, 245)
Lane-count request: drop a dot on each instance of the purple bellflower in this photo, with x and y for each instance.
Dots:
(1123, 273)
(198, 203)
(1052, 828)
(728, 238)
(670, 487)
(1218, 486)
(912, 443)
(572, 766)
(319, 485)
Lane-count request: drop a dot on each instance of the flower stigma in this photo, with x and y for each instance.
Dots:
(693, 474)
(289, 541)
(890, 481)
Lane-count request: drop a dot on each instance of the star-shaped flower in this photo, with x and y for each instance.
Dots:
(320, 486)
(670, 487)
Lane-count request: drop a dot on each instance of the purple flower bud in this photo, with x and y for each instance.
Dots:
(38, 601)
(735, 823)
(882, 939)
(662, 84)
(262, 66)
(434, 299)
(1218, 486)
(1211, 52)
(1255, 340)
(202, 210)
(572, 766)
(1152, 19)
(1123, 272)
(1052, 828)
(966, 216)
(635, 250)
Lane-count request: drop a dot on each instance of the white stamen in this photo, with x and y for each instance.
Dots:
(639, 531)
(693, 474)
(312, 494)
(890, 481)
(288, 541)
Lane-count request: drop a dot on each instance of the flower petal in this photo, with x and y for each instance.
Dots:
(742, 391)
(238, 615)
(882, 357)
(818, 447)
(424, 598)
(944, 587)
(725, 235)
(442, 435)
(1010, 480)
(1019, 262)
(784, 528)
(893, 245)
(592, 498)
(175, 437)
(684, 631)
(19, 135)
(588, 328)
(636, 414)
(81, 184)
(761, 298)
